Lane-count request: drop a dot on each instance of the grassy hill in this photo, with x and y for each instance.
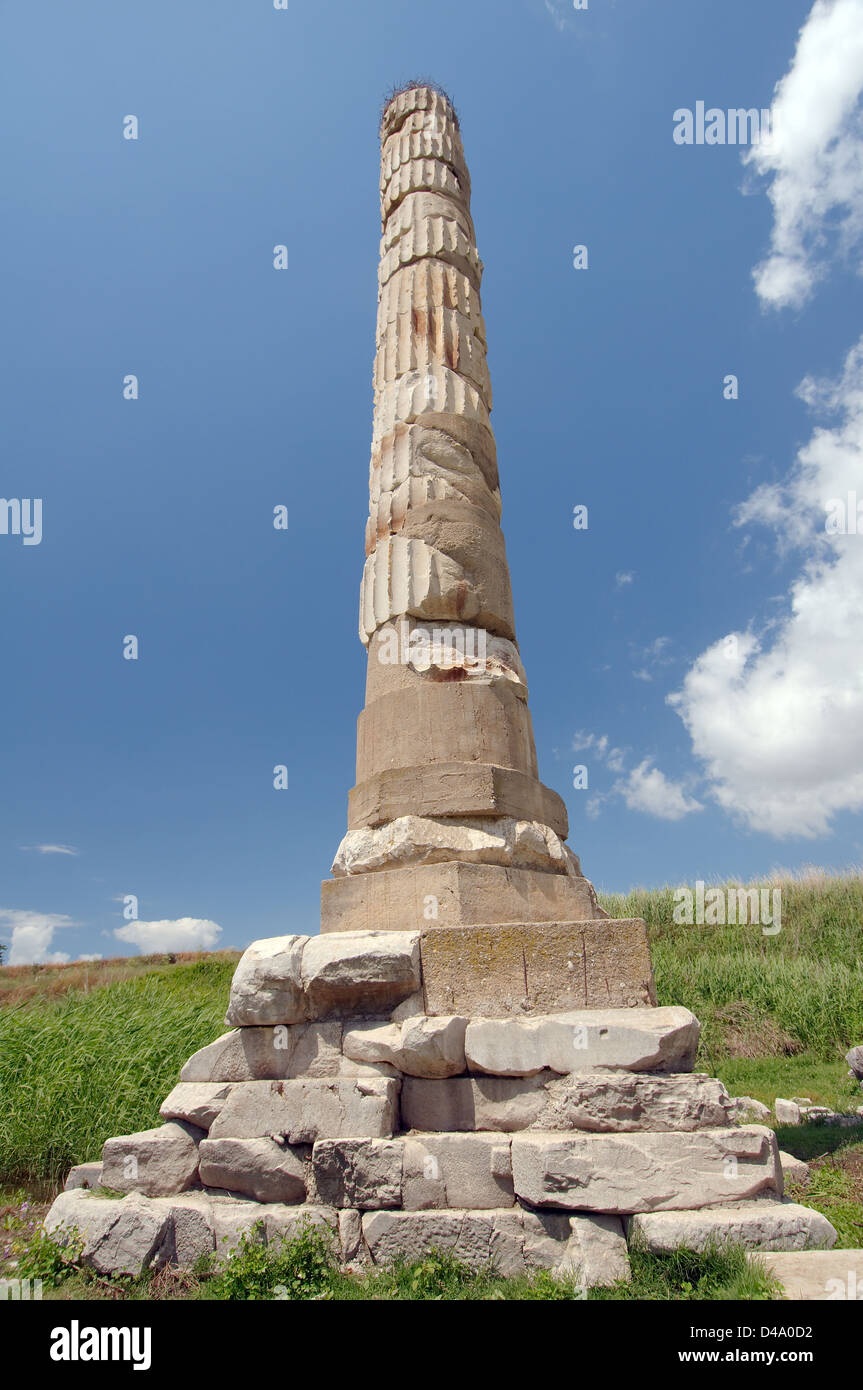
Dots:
(88, 1051)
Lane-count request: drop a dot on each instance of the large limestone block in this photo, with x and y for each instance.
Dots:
(267, 986)
(86, 1175)
(423, 339)
(519, 970)
(794, 1170)
(815, 1276)
(261, 1168)
(599, 1102)
(471, 1171)
(282, 1223)
(116, 1237)
(197, 1103)
(455, 789)
(427, 175)
(624, 1173)
(747, 1110)
(465, 895)
(276, 1053)
(501, 840)
(352, 1246)
(596, 1252)
(619, 1101)
(155, 1162)
(234, 1221)
(286, 979)
(787, 1112)
(360, 972)
(189, 1233)
(434, 397)
(418, 1046)
(365, 1174)
(755, 1225)
(585, 1039)
(453, 722)
(471, 1103)
(303, 1111)
(509, 1241)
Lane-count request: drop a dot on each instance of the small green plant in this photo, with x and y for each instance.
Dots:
(302, 1268)
(46, 1259)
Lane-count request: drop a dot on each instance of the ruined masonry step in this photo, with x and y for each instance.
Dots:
(303, 1111)
(628, 1173)
(520, 969)
(292, 979)
(598, 1102)
(590, 1249)
(756, 1225)
(817, 1275)
(266, 1053)
(138, 1233)
(660, 1039)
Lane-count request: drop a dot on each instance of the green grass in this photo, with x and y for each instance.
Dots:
(765, 1078)
(800, 991)
(78, 1068)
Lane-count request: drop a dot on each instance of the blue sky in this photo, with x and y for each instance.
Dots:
(258, 127)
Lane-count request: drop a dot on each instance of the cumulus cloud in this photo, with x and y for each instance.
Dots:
(51, 849)
(645, 788)
(814, 159)
(31, 936)
(177, 934)
(622, 578)
(776, 715)
(96, 955)
(649, 790)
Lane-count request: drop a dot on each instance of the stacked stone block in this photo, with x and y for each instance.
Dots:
(544, 1134)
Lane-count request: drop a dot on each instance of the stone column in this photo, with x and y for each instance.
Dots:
(448, 823)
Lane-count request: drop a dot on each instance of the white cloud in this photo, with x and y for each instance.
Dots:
(32, 934)
(644, 789)
(51, 849)
(815, 155)
(581, 741)
(96, 955)
(777, 717)
(649, 790)
(179, 934)
(622, 578)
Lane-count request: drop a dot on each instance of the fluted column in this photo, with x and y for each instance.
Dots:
(446, 762)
